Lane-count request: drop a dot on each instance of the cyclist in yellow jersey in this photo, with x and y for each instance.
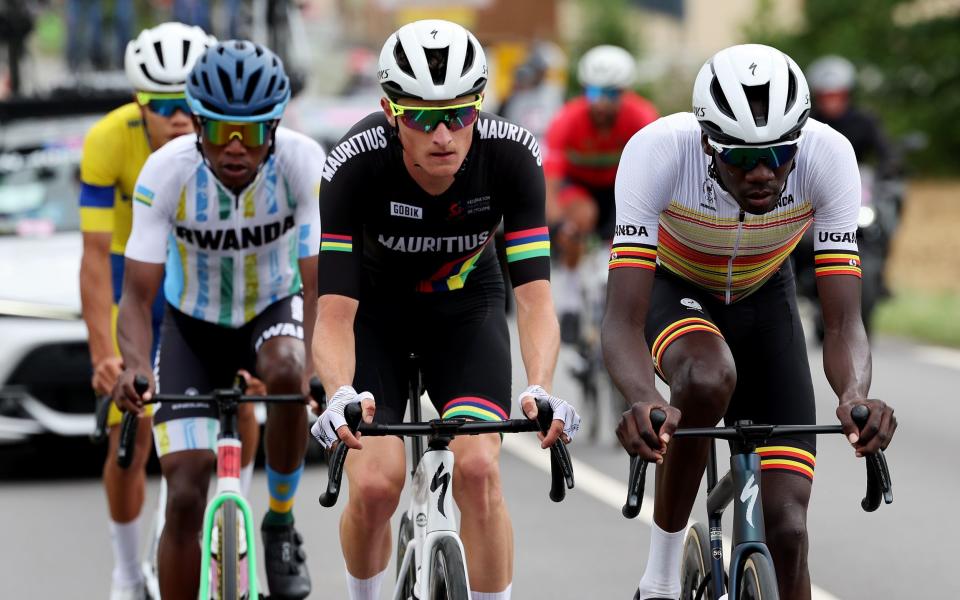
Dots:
(114, 151)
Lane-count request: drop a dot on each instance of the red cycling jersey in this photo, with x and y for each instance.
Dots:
(578, 151)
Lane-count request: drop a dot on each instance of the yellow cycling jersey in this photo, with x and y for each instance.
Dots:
(114, 151)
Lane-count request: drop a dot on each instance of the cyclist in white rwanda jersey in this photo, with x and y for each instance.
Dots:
(231, 255)
(233, 214)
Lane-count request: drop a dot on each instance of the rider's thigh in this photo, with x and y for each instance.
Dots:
(376, 475)
(476, 470)
(187, 473)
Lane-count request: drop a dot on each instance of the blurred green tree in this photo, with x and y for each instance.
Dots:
(908, 62)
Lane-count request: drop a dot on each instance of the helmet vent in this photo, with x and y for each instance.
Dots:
(252, 85)
(791, 91)
(758, 97)
(721, 100)
(270, 84)
(225, 84)
(468, 59)
(158, 48)
(437, 61)
(143, 69)
(206, 84)
(402, 61)
(186, 52)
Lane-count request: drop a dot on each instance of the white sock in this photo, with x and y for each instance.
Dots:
(364, 589)
(246, 476)
(661, 578)
(125, 539)
(504, 595)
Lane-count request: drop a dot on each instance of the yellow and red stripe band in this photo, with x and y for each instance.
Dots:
(638, 256)
(836, 262)
(787, 458)
(674, 331)
(472, 407)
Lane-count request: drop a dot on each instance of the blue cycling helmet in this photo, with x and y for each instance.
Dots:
(237, 80)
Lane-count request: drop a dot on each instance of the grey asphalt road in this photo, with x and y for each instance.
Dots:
(54, 542)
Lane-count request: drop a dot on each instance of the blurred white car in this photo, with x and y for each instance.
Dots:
(44, 361)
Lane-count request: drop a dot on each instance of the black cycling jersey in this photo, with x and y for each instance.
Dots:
(378, 223)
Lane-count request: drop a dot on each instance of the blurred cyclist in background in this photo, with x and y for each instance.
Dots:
(584, 143)
(114, 151)
(534, 100)
(833, 79)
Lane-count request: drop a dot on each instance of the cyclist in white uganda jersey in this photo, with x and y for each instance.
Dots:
(233, 214)
(709, 206)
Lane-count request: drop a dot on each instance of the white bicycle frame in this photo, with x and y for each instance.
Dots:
(432, 517)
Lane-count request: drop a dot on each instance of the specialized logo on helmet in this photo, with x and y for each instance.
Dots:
(434, 34)
(753, 69)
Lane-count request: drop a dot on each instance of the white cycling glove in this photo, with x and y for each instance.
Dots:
(562, 410)
(325, 429)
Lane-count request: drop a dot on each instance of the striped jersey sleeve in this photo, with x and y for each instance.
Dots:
(834, 183)
(526, 237)
(99, 174)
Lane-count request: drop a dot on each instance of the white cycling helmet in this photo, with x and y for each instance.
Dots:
(459, 65)
(161, 57)
(751, 94)
(607, 67)
(832, 74)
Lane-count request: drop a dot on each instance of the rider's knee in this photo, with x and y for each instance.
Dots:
(708, 385)
(786, 530)
(185, 506)
(477, 481)
(280, 364)
(375, 495)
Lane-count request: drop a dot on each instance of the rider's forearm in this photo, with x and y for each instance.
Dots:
(627, 359)
(334, 356)
(846, 359)
(96, 300)
(134, 331)
(539, 332)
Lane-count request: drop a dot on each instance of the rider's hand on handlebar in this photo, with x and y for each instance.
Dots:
(105, 374)
(636, 433)
(126, 397)
(878, 431)
(566, 421)
(331, 426)
(255, 387)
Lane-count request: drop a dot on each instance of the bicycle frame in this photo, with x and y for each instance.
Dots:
(741, 484)
(431, 514)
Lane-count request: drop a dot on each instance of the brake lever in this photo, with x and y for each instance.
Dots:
(879, 484)
(101, 414)
(638, 472)
(561, 467)
(352, 414)
(128, 427)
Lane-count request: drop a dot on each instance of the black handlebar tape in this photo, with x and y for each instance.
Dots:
(101, 415)
(879, 484)
(335, 475)
(140, 384)
(638, 472)
(544, 416)
(353, 413)
(561, 468)
(128, 439)
(860, 414)
(317, 393)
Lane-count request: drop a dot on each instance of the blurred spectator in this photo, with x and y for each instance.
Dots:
(534, 100)
(85, 38)
(833, 80)
(193, 12)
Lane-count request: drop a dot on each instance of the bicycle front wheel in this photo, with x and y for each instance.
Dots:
(758, 580)
(695, 565)
(448, 576)
(228, 553)
(407, 578)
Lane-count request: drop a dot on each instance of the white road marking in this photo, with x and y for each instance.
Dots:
(604, 488)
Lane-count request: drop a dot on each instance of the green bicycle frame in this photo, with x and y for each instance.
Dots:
(208, 517)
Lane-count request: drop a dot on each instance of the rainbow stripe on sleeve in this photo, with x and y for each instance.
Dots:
(641, 256)
(836, 262)
(528, 243)
(331, 242)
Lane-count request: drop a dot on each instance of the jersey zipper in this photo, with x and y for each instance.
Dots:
(736, 248)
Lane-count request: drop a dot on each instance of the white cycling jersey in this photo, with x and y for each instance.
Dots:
(228, 256)
(671, 213)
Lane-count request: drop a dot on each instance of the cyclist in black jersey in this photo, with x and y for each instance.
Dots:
(410, 201)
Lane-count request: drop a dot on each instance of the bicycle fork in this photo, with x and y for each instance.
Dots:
(228, 489)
